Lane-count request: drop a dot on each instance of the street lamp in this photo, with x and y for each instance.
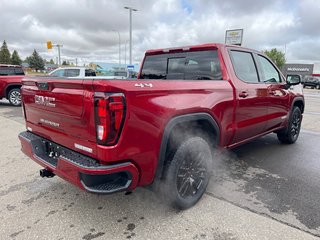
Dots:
(119, 47)
(130, 19)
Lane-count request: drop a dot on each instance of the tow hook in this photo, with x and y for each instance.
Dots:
(46, 173)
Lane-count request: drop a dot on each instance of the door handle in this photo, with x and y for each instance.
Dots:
(243, 94)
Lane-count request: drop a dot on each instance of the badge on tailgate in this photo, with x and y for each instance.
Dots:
(44, 101)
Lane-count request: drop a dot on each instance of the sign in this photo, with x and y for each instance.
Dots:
(130, 67)
(297, 69)
(49, 45)
(234, 37)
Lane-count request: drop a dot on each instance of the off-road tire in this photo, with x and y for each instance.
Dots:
(290, 134)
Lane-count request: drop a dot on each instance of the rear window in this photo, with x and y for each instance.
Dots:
(9, 71)
(199, 65)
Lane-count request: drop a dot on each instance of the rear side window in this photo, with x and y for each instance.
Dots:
(9, 71)
(244, 66)
(199, 65)
(72, 73)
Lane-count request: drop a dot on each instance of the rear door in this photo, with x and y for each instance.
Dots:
(251, 94)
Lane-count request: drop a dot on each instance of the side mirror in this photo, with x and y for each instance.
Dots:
(293, 79)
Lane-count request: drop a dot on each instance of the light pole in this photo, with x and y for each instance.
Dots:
(125, 52)
(119, 47)
(130, 19)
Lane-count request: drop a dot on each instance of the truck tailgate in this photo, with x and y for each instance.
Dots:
(58, 105)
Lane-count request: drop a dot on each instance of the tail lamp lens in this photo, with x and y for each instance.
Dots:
(109, 115)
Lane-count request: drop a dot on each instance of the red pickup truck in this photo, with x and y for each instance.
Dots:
(10, 83)
(166, 127)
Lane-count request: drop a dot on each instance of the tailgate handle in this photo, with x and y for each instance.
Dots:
(43, 85)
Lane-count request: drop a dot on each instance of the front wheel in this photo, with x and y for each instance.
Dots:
(318, 86)
(14, 97)
(291, 133)
(188, 173)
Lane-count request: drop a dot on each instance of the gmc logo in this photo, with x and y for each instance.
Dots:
(44, 101)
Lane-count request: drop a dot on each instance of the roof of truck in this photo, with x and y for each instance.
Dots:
(9, 65)
(192, 48)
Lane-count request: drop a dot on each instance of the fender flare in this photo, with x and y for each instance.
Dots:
(298, 99)
(171, 124)
(9, 85)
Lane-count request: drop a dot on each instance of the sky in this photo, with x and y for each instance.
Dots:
(89, 29)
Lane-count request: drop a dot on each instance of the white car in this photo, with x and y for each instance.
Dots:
(73, 72)
(83, 72)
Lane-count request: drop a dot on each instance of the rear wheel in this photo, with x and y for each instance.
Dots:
(188, 173)
(318, 86)
(14, 97)
(291, 133)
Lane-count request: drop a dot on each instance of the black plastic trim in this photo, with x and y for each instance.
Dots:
(84, 162)
(106, 183)
(171, 124)
(298, 99)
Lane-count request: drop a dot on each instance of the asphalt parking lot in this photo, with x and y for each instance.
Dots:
(262, 190)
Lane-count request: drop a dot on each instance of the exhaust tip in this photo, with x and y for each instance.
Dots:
(46, 173)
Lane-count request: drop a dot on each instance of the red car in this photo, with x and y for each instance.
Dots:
(163, 128)
(10, 83)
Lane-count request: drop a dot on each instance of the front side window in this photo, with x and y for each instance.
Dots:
(90, 73)
(18, 71)
(244, 66)
(198, 65)
(268, 73)
(58, 73)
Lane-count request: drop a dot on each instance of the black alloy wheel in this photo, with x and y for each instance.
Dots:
(190, 177)
(291, 133)
(188, 173)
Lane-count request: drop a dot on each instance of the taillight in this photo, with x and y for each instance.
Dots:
(110, 110)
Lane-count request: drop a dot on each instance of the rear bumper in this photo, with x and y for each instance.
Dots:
(80, 170)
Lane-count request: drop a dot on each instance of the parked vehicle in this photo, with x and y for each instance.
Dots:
(313, 82)
(164, 128)
(10, 83)
(83, 73)
(73, 72)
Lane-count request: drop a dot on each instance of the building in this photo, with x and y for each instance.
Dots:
(301, 69)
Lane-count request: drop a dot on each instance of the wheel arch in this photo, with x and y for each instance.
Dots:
(187, 122)
(299, 102)
(10, 87)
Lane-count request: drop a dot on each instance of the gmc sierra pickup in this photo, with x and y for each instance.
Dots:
(164, 128)
(10, 83)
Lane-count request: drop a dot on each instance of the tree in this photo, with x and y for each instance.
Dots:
(15, 58)
(277, 57)
(51, 61)
(5, 54)
(35, 61)
(64, 63)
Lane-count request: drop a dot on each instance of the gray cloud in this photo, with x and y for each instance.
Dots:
(85, 27)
